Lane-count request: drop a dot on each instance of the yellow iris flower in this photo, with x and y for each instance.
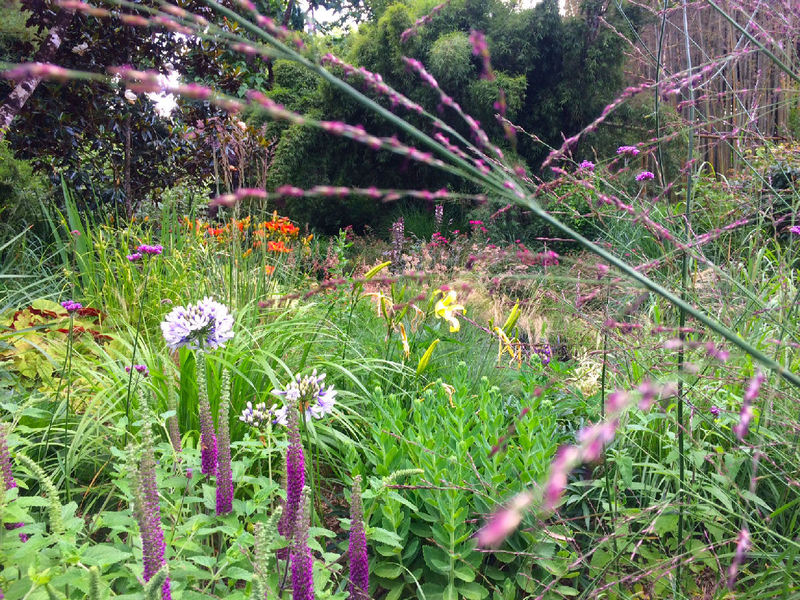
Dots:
(447, 308)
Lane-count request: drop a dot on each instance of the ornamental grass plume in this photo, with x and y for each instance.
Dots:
(148, 513)
(302, 561)
(224, 469)
(8, 476)
(208, 437)
(295, 476)
(357, 547)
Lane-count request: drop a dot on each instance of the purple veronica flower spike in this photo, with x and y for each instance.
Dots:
(295, 476)
(302, 561)
(224, 468)
(8, 477)
(357, 548)
(207, 324)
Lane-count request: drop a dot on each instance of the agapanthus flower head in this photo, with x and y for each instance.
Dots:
(134, 257)
(645, 176)
(257, 416)
(628, 150)
(141, 369)
(153, 249)
(587, 165)
(205, 325)
(310, 394)
(71, 306)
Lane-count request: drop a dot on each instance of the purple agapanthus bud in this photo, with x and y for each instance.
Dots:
(357, 548)
(295, 475)
(148, 514)
(302, 561)
(71, 306)
(224, 470)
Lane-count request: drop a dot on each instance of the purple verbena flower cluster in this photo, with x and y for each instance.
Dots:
(141, 369)
(150, 249)
(628, 150)
(71, 306)
(586, 165)
(645, 176)
(134, 257)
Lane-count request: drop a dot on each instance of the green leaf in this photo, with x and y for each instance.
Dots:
(450, 593)
(384, 536)
(387, 570)
(102, 555)
(472, 591)
(436, 559)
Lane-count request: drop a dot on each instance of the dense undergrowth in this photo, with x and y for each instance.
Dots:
(581, 383)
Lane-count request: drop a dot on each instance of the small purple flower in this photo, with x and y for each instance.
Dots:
(628, 150)
(134, 257)
(75, 232)
(141, 369)
(71, 306)
(357, 547)
(714, 410)
(150, 249)
(645, 176)
(795, 229)
(587, 165)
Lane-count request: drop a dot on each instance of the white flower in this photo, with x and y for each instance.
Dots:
(205, 325)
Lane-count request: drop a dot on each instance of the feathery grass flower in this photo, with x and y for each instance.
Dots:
(207, 324)
(447, 308)
(309, 394)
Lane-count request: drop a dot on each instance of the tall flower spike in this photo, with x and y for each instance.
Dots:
(357, 548)
(148, 513)
(8, 476)
(224, 469)
(208, 439)
(302, 561)
(295, 476)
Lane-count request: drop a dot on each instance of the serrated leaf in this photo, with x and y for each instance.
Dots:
(472, 591)
(102, 555)
(387, 570)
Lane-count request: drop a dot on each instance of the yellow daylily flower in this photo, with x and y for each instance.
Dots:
(404, 339)
(446, 309)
